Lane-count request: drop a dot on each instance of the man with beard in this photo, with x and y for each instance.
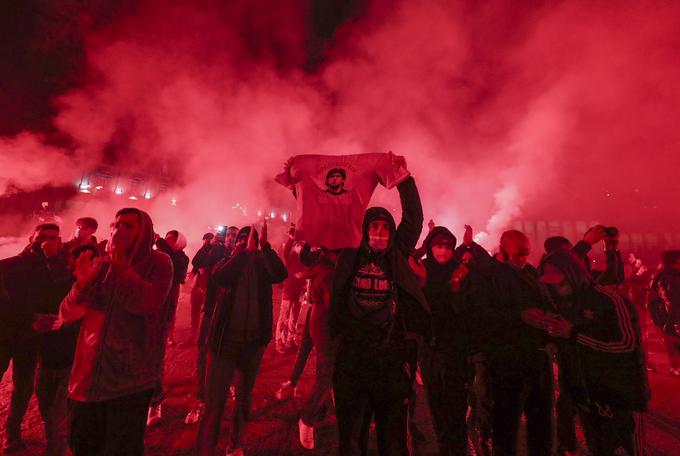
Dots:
(601, 354)
(240, 330)
(121, 302)
(502, 291)
(30, 285)
(378, 312)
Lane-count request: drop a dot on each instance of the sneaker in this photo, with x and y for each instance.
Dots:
(195, 414)
(287, 391)
(306, 435)
(235, 452)
(154, 415)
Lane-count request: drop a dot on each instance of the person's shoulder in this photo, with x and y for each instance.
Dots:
(159, 258)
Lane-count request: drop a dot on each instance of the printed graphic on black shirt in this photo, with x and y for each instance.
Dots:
(372, 295)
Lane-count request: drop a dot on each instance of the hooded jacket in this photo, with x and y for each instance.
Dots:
(119, 350)
(29, 283)
(603, 360)
(265, 268)
(412, 316)
(451, 316)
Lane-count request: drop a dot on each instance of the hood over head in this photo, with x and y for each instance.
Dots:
(437, 235)
(570, 266)
(144, 244)
(377, 213)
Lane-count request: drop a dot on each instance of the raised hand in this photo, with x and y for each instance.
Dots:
(263, 234)
(397, 160)
(118, 259)
(251, 246)
(86, 270)
(50, 248)
(430, 225)
(467, 236)
(418, 269)
(594, 234)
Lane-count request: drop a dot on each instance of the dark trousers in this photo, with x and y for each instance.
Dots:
(202, 355)
(369, 381)
(565, 409)
(51, 390)
(445, 376)
(304, 350)
(114, 427)
(173, 299)
(197, 300)
(168, 331)
(611, 431)
(522, 384)
(246, 358)
(314, 408)
(24, 356)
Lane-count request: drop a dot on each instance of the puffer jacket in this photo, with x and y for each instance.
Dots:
(118, 352)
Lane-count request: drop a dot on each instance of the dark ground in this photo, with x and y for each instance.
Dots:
(273, 428)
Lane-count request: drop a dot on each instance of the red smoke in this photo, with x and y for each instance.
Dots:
(503, 111)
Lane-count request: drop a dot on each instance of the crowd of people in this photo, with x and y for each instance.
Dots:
(86, 325)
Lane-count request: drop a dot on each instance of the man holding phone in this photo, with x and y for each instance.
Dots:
(28, 284)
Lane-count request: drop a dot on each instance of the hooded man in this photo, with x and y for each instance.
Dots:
(121, 301)
(600, 353)
(445, 362)
(31, 284)
(504, 290)
(378, 312)
(240, 330)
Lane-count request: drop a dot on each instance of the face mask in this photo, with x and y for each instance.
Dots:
(378, 243)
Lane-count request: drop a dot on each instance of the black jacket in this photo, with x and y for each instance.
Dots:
(270, 270)
(453, 319)
(665, 291)
(603, 359)
(180, 261)
(413, 314)
(29, 283)
(498, 294)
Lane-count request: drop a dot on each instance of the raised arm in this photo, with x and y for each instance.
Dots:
(411, 224)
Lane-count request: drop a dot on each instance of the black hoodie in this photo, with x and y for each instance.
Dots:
(30, 283)
(451, 322)
(247, 278)
(408, 313)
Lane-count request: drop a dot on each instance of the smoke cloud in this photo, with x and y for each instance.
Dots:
(558, 110)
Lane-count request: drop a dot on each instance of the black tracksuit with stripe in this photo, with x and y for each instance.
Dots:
(604, 369)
